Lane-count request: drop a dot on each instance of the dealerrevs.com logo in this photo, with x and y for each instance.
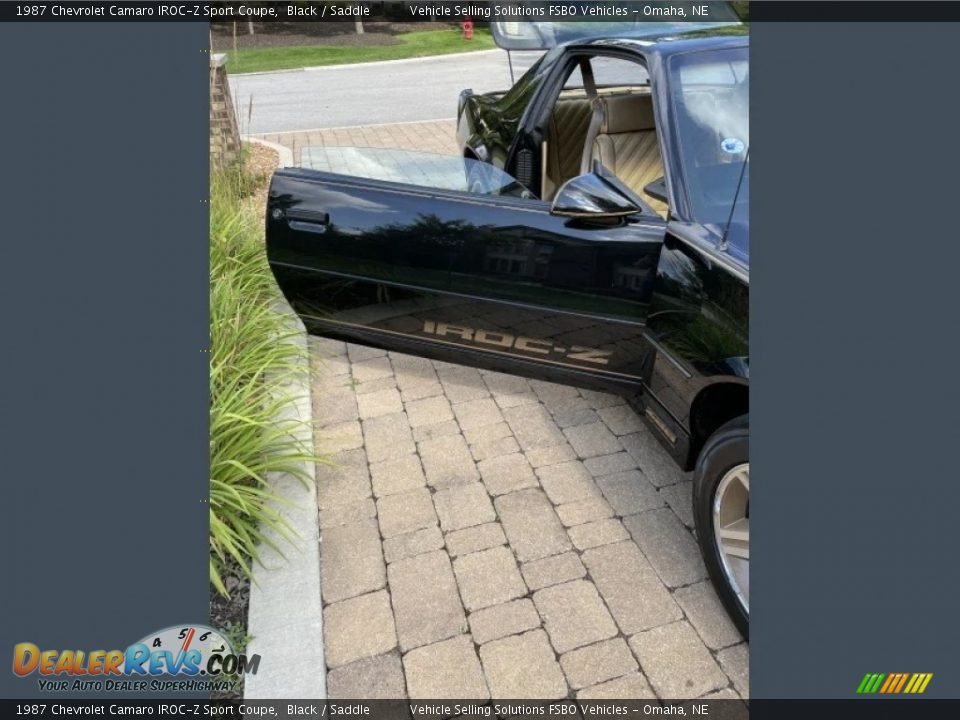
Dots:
(179, 658)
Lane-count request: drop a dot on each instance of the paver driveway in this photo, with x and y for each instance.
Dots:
(484, 535)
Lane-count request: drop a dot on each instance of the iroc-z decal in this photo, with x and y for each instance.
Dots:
(505, 341)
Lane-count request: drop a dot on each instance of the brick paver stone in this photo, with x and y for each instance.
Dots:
(567, 482)
(337, 406)
(596, 663)
(706, 614)
(396, 476)
(505, 384)
(510, 400)
(432, 432)
(584, 511)
(600, 400)
(379, 677)
(348, 513)
(657, 465)
(533, 427)
(387, 436)
(477, 413)
(332, 439)
(594, 534)
(373, 369)
(358, 628)
(413, 543)
(553, 570)
(523, 667)
(405, 512)
(551, 455)
(350, 561)
(621, 419)
(487, 433)
(629, 492)
(592, 440)
(680, 499)
(550, 392)
(668, 545)
(506, 473)
(462, 383)
(735, 662)
(447, 461)
(609, 464)
(494, 448)
(463, 506)
(532, 527)
(474, 539)
(445, 670)
(429, 411)
(572, 411)
(630, 587)
(510, 618)
(488, 578)
(382, 402)
(574, 615)
(361, 353)
(677, 663)
(425, 600)
(345, 479)
(633, 686)
(373, 386)
(420, 391)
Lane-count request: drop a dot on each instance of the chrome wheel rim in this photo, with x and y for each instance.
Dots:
(731, 530)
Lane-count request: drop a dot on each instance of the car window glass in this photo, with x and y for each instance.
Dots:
(610, 72)
(710, 93)
(408, 167)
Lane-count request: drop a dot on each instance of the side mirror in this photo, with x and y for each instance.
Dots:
(589, 196)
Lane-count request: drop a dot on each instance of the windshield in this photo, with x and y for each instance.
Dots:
(711, 101)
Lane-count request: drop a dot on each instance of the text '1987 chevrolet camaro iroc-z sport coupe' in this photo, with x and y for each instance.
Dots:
(593, 231)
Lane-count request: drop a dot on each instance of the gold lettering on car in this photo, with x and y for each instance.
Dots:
(520, 343)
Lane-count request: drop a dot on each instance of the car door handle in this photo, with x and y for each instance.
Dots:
(308, 220)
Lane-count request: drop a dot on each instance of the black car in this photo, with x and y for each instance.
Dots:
(594, 233)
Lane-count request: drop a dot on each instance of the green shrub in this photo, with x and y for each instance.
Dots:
(250, 361)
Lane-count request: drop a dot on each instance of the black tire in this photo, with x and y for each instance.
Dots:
(727, 448)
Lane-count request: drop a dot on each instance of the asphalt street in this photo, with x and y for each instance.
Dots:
(369, 93)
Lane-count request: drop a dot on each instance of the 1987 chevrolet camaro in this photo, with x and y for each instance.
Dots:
(594, 232)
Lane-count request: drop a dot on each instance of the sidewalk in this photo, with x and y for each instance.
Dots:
(488, 536)
(437, 136)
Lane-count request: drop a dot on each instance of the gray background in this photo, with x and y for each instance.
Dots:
(856, 254)
(104, 409)
(854, 344)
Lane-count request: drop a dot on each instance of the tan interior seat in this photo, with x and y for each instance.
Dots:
(622, 135)
(565, 140)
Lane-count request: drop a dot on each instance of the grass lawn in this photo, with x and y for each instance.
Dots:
(415, 44)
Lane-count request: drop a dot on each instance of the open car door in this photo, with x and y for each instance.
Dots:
(451, 259)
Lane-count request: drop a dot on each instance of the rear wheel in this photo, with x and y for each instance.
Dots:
(721, 508)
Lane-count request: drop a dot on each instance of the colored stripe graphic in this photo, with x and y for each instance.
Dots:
(894, 683)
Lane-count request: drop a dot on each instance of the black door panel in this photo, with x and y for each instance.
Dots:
(467, 278)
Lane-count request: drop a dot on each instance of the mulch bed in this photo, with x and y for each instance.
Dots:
(334, 34)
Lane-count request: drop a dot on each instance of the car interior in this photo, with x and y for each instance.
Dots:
(604, 118)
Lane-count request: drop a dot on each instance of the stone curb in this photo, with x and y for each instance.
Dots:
(285, 153)
(285, 618)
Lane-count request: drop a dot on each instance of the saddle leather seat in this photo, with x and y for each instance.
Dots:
(623, 137)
